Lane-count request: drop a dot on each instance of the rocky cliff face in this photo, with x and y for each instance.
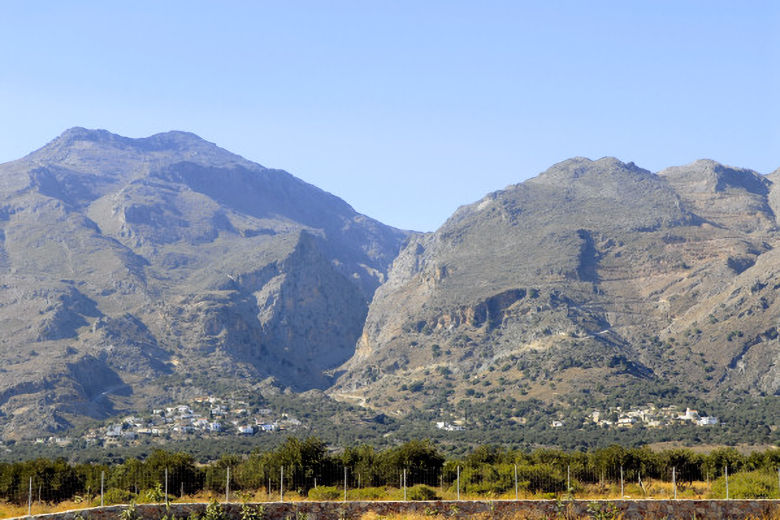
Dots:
(593, 273)
(124, 260)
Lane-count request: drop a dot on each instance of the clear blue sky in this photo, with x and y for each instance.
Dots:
(406, 109)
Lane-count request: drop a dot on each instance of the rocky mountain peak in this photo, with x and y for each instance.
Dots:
(98, 151)
(706, 175)
(578, 170)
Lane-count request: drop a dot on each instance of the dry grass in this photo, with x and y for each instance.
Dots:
(12, 510)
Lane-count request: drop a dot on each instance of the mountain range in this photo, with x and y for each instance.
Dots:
(136, 271)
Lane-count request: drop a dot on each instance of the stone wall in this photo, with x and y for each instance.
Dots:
(463, 510)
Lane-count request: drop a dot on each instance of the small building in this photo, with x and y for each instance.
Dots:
(690, 415)
(114, 430)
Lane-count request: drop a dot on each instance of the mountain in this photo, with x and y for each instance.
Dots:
(139, 272)
(125, 263)
(594, 279)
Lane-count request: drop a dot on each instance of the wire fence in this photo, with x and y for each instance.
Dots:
(37, 482)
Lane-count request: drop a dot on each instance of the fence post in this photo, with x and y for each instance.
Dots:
(166, 486)
(404, 484)
(29, 499)
(674, 481)
(281, 486)
(345, 483)
(458, 482)
(102, 480)
(568, 479)
(517, 496)
(726, 471)
(621, 483)
(227, 486)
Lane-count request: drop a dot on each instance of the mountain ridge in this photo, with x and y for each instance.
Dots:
(589, 262)
(131, 266)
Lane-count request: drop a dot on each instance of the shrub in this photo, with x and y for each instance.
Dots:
(326, 493)
(214, 511)
(252, 513)
(747, 484)
(129, 513)
(117, 496)
(152, 495)
(422, 492)
(368, 493)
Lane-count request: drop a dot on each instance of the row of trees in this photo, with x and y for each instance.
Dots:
(306, 463)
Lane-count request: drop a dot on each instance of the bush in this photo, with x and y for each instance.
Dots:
(747, 484)
(368, 493)
(117, 496)
(326, 493)
(422, 492)
(542, 478)
(214, 511)
(153, 495)
(252, 513)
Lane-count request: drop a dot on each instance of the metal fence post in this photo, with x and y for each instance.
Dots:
(568, 478)
(517, 495)
(281, 486)
(726, 471)
(622, 494)
(404, 484)
(102, 480)
(458, 482)
(345, 483)
(227, 486)
(674, 481)
(166, 486)
(29, 499)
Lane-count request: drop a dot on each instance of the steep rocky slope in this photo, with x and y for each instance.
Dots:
(136, 271)
(124, 260)
(595, 274)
